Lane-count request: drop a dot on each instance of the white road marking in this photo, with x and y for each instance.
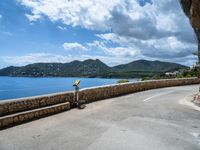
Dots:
(147, 99)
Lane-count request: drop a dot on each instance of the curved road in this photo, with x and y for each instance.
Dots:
(160, 119)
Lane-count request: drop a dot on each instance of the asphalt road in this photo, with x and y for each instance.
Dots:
(161, 119)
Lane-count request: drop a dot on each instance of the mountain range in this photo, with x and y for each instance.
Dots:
(92, 68)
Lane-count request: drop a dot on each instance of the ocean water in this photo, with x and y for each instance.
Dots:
(19, 87)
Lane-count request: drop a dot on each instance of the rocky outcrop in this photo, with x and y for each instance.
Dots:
(192, 10)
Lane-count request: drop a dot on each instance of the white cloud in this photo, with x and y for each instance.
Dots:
(126, 18)
(123, 51)
(157, 30)
(35, 58)
(48, 58)
(115, 51)
(62, 28)
(74, 46)
(32, 17)
(31, 58)
(73, 12)
(168, 47)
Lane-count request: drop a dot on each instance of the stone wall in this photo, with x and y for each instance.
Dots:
(12, 110)
(24, 104)
(18, 118)
(98, 93)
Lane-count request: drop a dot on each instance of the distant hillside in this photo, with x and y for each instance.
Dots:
(144, 68)
(88, 68)
(152, 66)
(91, 68)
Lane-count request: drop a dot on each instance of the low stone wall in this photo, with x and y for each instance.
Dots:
(98, 93)
(19, 118)
(89, 94)
(18, 105)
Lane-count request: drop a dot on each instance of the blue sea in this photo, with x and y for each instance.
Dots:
(19, 87)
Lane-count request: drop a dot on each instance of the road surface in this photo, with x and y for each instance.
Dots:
(160, 119)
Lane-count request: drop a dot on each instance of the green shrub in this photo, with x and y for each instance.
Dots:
(123, 81)
(145, 78)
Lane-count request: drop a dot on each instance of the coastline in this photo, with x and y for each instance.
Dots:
(20, 87)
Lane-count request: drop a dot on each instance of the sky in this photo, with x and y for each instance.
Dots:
(114, 31)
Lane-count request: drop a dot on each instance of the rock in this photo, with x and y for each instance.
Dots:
(197, 98)
(186, 5)
(195, 14)
(192, 10)
(81, 104)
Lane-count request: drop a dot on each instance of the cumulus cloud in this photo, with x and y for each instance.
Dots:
(170, 47)
(74, 46)
(62, 28)
(73, 12)
(153, 20)
(35, 58)
(32, 17)
(49, 57)
(31, 58)
(154, 29)
(125, 51)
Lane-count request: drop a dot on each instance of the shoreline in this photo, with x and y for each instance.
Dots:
(97, 77)
(23, 87)
(85, 88)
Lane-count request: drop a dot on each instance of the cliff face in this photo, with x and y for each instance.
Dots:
(192, 10)
(195, 13)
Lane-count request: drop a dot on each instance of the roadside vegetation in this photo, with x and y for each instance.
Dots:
(182, 74)
(123, 81)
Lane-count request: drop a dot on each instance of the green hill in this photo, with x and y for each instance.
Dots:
(154, 66)
(143, 68)
(87, 68)
(92, 68)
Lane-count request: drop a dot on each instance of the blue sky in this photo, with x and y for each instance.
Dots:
(115, 31)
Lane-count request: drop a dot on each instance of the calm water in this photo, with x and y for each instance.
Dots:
(18, 87)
